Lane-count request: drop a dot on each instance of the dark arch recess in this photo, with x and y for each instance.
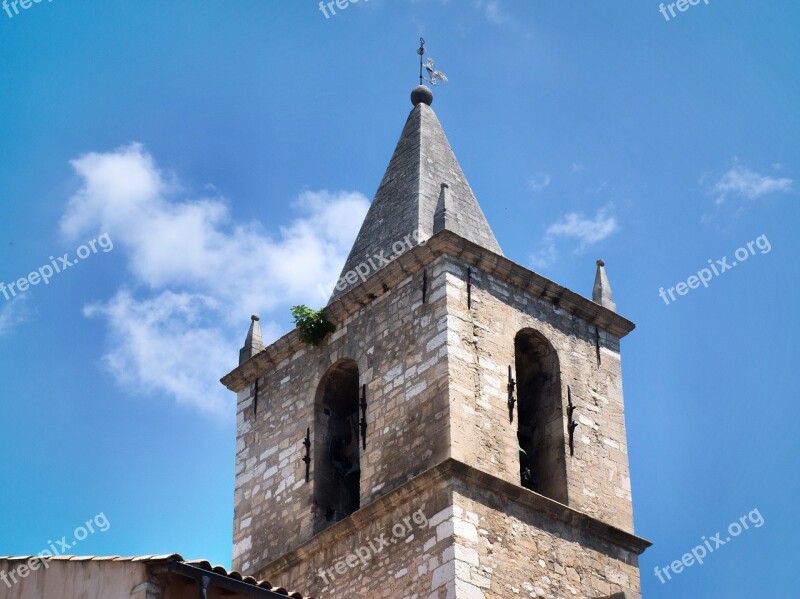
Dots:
(336, 450)
(540, 424)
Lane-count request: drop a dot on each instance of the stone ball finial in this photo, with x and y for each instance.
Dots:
(601, 262)
(421, 95)
(255, 317)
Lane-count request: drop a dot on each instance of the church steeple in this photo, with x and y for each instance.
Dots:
(467, 411)
(403, 210)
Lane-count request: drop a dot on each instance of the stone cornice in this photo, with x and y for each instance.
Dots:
(411, 262)
(549, 507)
(535, 284)
(443, 473)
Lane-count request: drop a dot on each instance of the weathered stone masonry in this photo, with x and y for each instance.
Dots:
(425, 407)
(493, 406)
(399, 344)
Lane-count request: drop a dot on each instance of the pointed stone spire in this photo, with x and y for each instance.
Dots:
(601, 293)
(405, 205)
(254, 342)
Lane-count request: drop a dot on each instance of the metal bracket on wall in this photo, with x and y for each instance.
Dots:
(511, 400)
(363, 423)
(307, 457)
(255, 399)
(469, 287)
(597, 343)
(572, 425)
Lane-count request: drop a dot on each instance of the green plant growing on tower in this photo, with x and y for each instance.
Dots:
(312, 324)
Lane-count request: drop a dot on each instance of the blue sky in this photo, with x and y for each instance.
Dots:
(229, 152)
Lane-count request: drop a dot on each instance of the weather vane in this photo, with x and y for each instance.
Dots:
(433, 75)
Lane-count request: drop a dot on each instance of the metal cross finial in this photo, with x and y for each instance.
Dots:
(421, 53)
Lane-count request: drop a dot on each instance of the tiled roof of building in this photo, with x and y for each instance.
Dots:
(96, 558)
(169, 559)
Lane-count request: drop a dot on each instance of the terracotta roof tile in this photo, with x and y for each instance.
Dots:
(168, 558)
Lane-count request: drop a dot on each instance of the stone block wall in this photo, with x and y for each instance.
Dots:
(506, 549)
(436, 373)
(399, 344)
(480, 347)
(399, 546)
(457, 533)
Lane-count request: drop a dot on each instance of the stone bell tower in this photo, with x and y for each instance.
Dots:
(460, 435)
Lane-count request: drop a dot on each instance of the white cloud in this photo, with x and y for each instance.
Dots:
(12, 313)
(582, 230)
(493, 11)
(586, 230)
(538, 182)
(165, 344)
(739, 182)
(197, 274)
(545, 256)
